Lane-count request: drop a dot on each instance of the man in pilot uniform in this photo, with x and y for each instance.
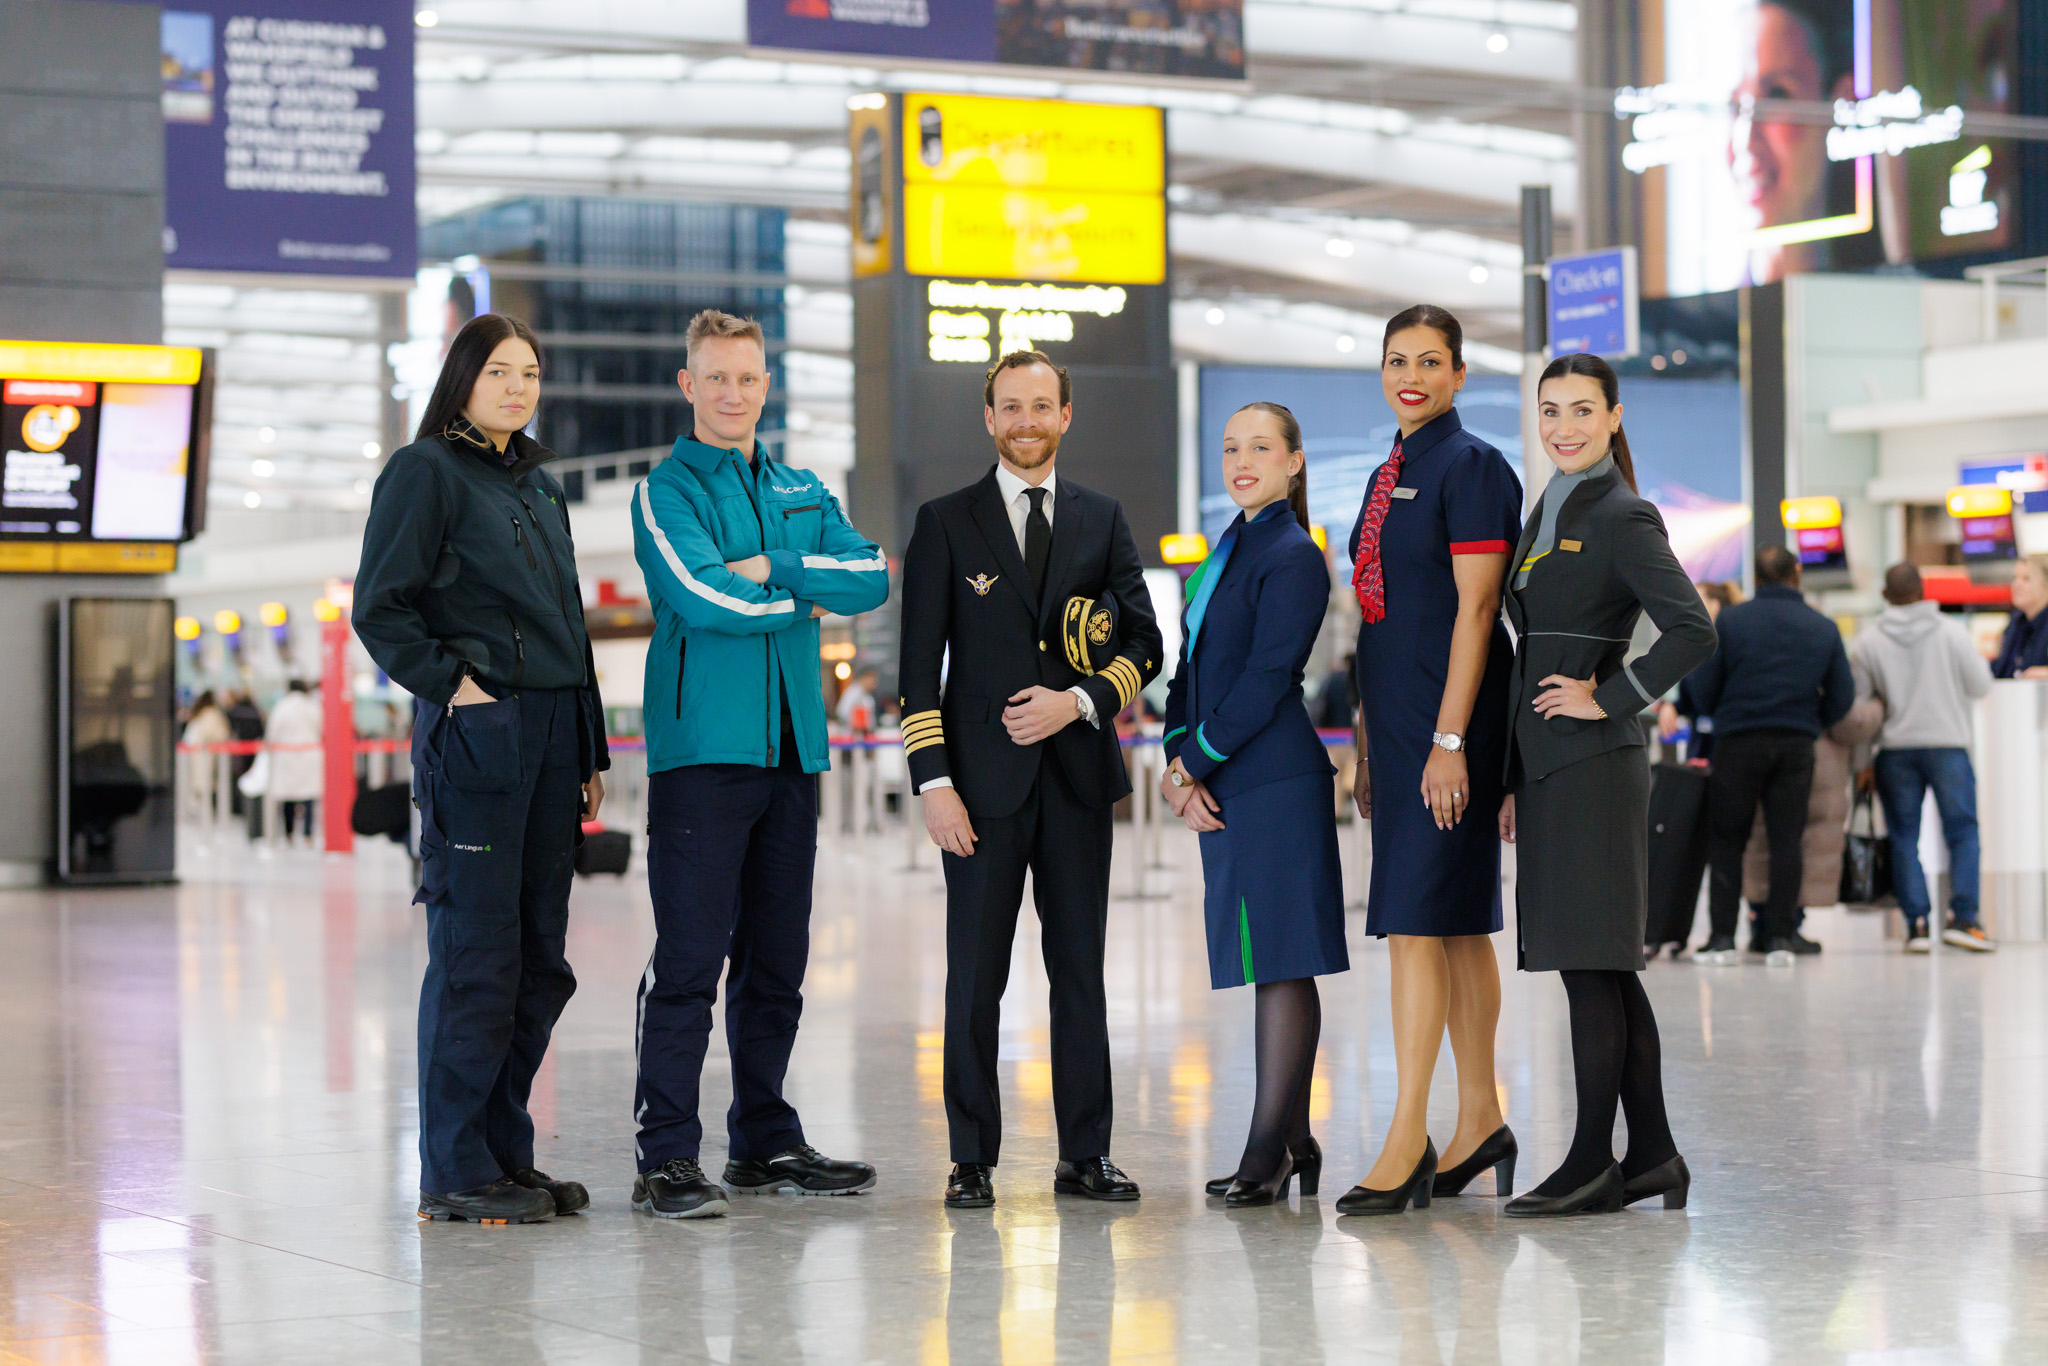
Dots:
(1035, 584)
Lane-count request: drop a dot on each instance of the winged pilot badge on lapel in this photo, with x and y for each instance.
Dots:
(981, 583)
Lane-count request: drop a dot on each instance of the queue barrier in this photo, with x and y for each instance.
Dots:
(854, 796)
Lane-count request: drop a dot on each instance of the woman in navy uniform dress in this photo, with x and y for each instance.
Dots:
(1430, 551)
(1247, 770)
(1593, 560)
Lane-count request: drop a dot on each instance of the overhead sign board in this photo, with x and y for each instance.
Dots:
(1186, 38)
(288, 137)
(1033, 189)
(1596, 304)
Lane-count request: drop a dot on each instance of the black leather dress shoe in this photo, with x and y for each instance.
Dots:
(802, 1170)
(1672, 1180)
(1363, 1199)
(1498, 1152)
(677, 1189)
(1096, 1177)
(569, 1196)
(1308, 1167)
(971, 1186)
(1601, 1195)
(502, 1202)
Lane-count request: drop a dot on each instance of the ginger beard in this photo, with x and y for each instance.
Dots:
(1031, 457)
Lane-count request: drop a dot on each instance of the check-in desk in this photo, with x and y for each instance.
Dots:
(2012, 808)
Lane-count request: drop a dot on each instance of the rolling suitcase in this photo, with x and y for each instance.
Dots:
(1678, 851)
(604, 851)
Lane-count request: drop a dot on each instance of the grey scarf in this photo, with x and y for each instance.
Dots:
(1554, 493)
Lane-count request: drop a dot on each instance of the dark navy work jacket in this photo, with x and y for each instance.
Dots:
(1234, 712)
(1781, 666)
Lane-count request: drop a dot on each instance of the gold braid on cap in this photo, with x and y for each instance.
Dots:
(921, 730)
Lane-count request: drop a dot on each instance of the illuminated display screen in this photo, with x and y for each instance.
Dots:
(1735, 193)
(99, 443)
(1033, 190)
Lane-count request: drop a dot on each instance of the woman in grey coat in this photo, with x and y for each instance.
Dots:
(1593, 559)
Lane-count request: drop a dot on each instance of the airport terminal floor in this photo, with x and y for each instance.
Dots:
(207, 1121)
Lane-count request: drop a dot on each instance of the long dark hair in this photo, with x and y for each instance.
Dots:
(1290, 434)
(466, 356)
(1440, 320)
(1587, 364)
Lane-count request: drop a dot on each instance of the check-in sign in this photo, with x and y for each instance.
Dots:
(1595, 304)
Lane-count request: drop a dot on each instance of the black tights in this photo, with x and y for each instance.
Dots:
(1290, 1022)
(1615, 1057)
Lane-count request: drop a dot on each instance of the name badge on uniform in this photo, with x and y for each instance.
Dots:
(1406, 492)
(1571, 545)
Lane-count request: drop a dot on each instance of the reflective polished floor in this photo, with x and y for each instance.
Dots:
(207, 1153)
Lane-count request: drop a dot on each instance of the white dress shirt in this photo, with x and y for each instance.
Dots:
(1018, 505)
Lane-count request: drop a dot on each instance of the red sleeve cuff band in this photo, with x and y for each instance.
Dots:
(1481, 548)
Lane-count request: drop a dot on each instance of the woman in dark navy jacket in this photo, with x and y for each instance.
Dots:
(1247, 770)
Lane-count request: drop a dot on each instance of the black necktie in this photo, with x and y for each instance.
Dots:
(1037, 542)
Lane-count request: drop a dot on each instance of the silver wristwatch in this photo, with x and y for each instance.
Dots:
(1448, 743)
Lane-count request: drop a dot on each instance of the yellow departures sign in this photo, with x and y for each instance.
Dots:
(1034, 189)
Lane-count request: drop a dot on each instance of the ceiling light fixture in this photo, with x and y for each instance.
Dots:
(1347, 343)
(262, 469)
(252, 499)
(1497, 43)
(1479, 275)
(1214, 317)
(371, 450)
(426, 18)
(1338, 246)
(266, 434)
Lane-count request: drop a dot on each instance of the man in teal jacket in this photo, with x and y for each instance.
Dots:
(742, 554)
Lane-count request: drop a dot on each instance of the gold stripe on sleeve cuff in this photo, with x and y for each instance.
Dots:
(922, 730)
(1124, 677)
(913, 746)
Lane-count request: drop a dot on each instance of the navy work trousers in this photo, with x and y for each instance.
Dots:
(730, 852)
(500, 798)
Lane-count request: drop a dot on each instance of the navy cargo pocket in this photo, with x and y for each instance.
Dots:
(479, 746)
(433, 845)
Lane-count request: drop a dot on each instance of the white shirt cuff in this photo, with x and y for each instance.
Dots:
(1087, 706)
(923, 788)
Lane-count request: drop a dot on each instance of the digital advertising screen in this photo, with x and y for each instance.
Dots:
(288, 136)
(1685, 437)
(1742, 184)
(1183, 38)
(100, 446)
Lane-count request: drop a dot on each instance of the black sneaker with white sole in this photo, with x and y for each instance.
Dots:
(678, 1189)
(802, 1170)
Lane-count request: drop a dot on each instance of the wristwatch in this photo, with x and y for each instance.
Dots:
(1447, 742)
(1178, 778)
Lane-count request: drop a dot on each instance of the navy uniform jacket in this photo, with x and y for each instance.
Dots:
(1234, 711)
(968, 614)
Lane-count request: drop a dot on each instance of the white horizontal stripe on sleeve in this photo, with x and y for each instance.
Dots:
(878, 565)
(689, 581)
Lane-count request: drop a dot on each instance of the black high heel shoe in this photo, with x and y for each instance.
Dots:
(1308, 1166)
(1601, 1195)
(1672, 1180)
(1365, 1200)
(1245, 1194)
(1498, 1152)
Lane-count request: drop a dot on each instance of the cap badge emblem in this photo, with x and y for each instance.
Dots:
(981, 583)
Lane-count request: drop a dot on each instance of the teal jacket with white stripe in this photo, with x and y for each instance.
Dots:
(725, 649)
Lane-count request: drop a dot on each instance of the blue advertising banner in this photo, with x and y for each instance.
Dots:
(1595, 304)
(288, 136)
(1198, 38)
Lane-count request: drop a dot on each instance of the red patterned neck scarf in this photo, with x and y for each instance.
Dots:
(1369, 578)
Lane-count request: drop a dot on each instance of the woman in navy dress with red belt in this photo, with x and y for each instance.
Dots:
(1430, 552)
(1247, 770)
